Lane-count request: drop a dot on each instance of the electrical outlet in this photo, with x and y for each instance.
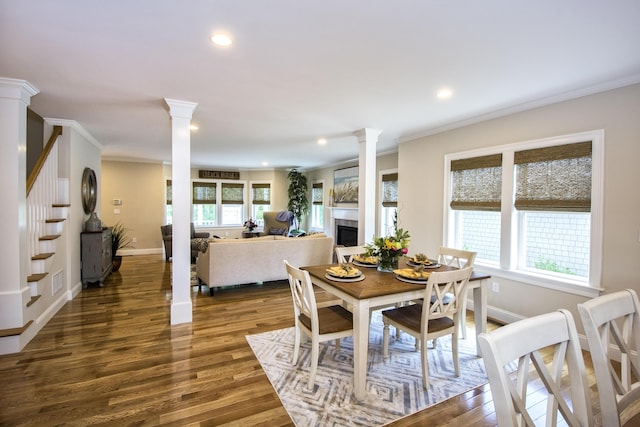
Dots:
(134, 240)
(495, 287)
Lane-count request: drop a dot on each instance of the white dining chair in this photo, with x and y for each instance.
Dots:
(458, 258)
(618, 389)
(321, 324)
(438, 318)
(345, 254)
(519, 344)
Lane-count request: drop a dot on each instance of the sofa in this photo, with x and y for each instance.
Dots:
(228, 262)
(197, 240)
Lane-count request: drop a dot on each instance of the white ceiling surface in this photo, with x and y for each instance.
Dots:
(301, 70)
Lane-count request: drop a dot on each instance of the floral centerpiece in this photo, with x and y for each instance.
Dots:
(389, 249)
(250, 224)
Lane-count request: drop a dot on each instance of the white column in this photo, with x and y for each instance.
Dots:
(15, 97)
(367, 138)
(181, 113)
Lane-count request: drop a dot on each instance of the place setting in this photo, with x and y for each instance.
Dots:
(365, 261)
(421, 260)
(344, 273)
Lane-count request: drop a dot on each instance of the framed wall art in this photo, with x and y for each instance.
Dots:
(345, 185)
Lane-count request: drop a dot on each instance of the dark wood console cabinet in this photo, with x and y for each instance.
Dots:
(96, 260)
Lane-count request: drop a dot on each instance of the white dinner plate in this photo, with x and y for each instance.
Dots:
(362, 264)
(417, 282)
(417, 264)
(344, 279)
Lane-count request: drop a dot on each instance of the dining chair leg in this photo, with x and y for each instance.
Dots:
(296, 346)
(385, 342)
(454, 352)
(315, 352)
(425, 364)
(337, 345)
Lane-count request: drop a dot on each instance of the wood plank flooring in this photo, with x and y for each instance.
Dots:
(111, 357)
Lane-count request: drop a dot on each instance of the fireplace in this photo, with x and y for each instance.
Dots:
(347, 236)
(346, 232)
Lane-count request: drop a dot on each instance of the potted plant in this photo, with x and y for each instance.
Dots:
(119, 240)
(298, 201)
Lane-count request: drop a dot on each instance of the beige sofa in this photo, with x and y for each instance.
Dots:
(239, 261)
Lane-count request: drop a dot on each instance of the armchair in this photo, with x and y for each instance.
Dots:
(196, 241)
(273, 226)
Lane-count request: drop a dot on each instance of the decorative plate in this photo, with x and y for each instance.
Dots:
(362, 264)
(413, 263)
(344, 271)
(345, 279)
(365, 260)
(411, 274)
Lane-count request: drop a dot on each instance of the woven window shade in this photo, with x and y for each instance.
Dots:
(316, 193)
(476, 183)
(554, 178)
(261, 194)
(390, 190)
(232, 194)
(204, 193)
(169, 192)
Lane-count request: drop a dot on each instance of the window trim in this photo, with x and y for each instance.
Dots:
(509, 215)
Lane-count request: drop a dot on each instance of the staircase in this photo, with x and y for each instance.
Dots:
(47, 210)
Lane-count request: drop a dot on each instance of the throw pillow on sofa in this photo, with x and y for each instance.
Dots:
(273, 231)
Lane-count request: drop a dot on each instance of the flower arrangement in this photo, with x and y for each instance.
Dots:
(388, 249)
(250, 224)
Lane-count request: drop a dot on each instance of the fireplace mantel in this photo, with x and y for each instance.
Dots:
(344, 213)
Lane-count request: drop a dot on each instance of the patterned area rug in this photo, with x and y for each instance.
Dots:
(394, 388)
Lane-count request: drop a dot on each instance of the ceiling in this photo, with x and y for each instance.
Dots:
(302, 70)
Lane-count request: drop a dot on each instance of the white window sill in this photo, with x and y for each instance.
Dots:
(566, 286)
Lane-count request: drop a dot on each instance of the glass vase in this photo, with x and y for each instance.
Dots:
(387, 263)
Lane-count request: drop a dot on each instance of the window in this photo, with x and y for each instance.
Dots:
(532, 211)
(317, 206)
(203, 203)
(260, 201)
(476, 188)
(232, 203)
(389, 200)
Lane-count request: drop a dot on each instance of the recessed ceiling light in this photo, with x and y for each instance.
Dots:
(444, 93)
(322, 141)
(193, 126)
(265, 163)
(221, 39)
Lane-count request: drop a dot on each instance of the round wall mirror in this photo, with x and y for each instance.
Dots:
(89, 190)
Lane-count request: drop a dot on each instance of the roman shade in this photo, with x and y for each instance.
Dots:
(232, 194)
(261, 194)
(204, 193)
(554, 178)
(476, 183)
(390, 190)
(316, 193)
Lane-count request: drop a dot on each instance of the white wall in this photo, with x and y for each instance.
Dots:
(421, 187)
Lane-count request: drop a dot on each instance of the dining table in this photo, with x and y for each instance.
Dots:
(378, 289)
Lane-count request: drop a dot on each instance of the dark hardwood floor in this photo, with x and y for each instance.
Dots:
(111, 357)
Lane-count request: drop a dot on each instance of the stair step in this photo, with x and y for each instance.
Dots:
(44, 255)
(33, 300)
(36, 277)
(14, 331)
(54, 220)
(50, 237)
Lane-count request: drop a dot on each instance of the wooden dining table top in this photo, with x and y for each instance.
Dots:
(377, 283)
